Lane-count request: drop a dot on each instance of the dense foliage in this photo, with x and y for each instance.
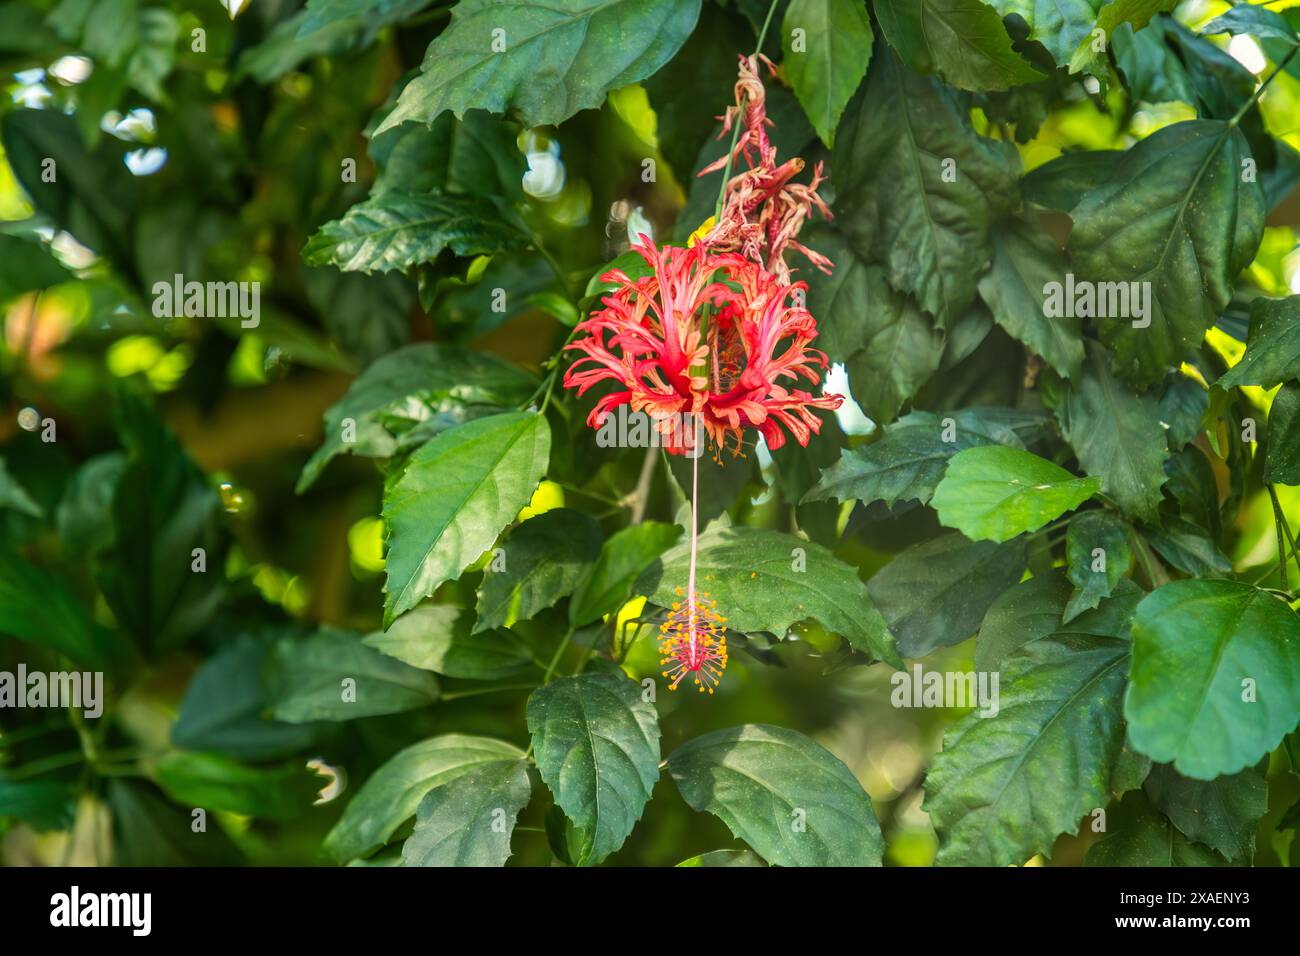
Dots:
(367, 587)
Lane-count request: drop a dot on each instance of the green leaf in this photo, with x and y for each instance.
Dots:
(596, 742)
(39, 608)
(84, 516)
(222, 711)
(1282, 451)
(1252, 20)
(333, 676)
(908, 460)
(836, 48)
(477, 154)
(627, 553)
(14, 496)
(547, 62)
(44, 804)
(1024, 262)
(993, 493)
(899, 351)
(1006, 786)
(398, 230)
(1214, 684)
(1023, 613)
(1221, 813)
(1137, 834)
(790, 799)
(27, 267)
(1097, 555)
(468, 821)
(767, 581)
(723, 858)
(324, 13)
(1272, 348)
(456, 495)
(1175, 214)
(1059, 25)
(426, 376)
(1188, 547)
(393, 793)
(436, 637)
(1118, 436)
(963, 41)
(163, 509)
(936, 593)
(1061, 183)
(220, 783)
(898, 200)
(148, 830)
(544, 559)
(92, 194)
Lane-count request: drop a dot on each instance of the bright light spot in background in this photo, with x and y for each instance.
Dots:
(235, 7)
(145, 162)
(1246, 51)
(851, 418)
(139, 124)
(29, 419)
(1291, 269)
(73, 253)
(366, 543)
(71, 70)
(545, 177)
(32, 97)
(638, 225)
(1091, 84)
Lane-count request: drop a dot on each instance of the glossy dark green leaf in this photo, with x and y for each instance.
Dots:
(902, 203)
(994, 493)
(457, 494)
(1215, 682)
(1273, 348)
(1188, 547)
(547, 62)
(39, 608)
(476, 154)
(936, 593)
(1061, 183)
(333, 676)
(1059, 25)
(436, 637)
(1117, 435)
(1097, 555)
(1252, 20)
(830, 60)
(399, 230)
(608, 583)
(1282, 452)
(1022, 613)
(1176, 215)
(596, 742)
(1024, 263)
(1221, 813)
(1006, 786)
(392, 794)
(767, 581)
(541, 561)
(426, 375)
(790, 799)
(1137, 834)
(962, 41)
(468, 821)
(724, 858)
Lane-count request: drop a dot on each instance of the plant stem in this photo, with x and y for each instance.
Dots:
(550, 670)
(479, 691)
(1278, 521)
(1254, 97)
(735, 133)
